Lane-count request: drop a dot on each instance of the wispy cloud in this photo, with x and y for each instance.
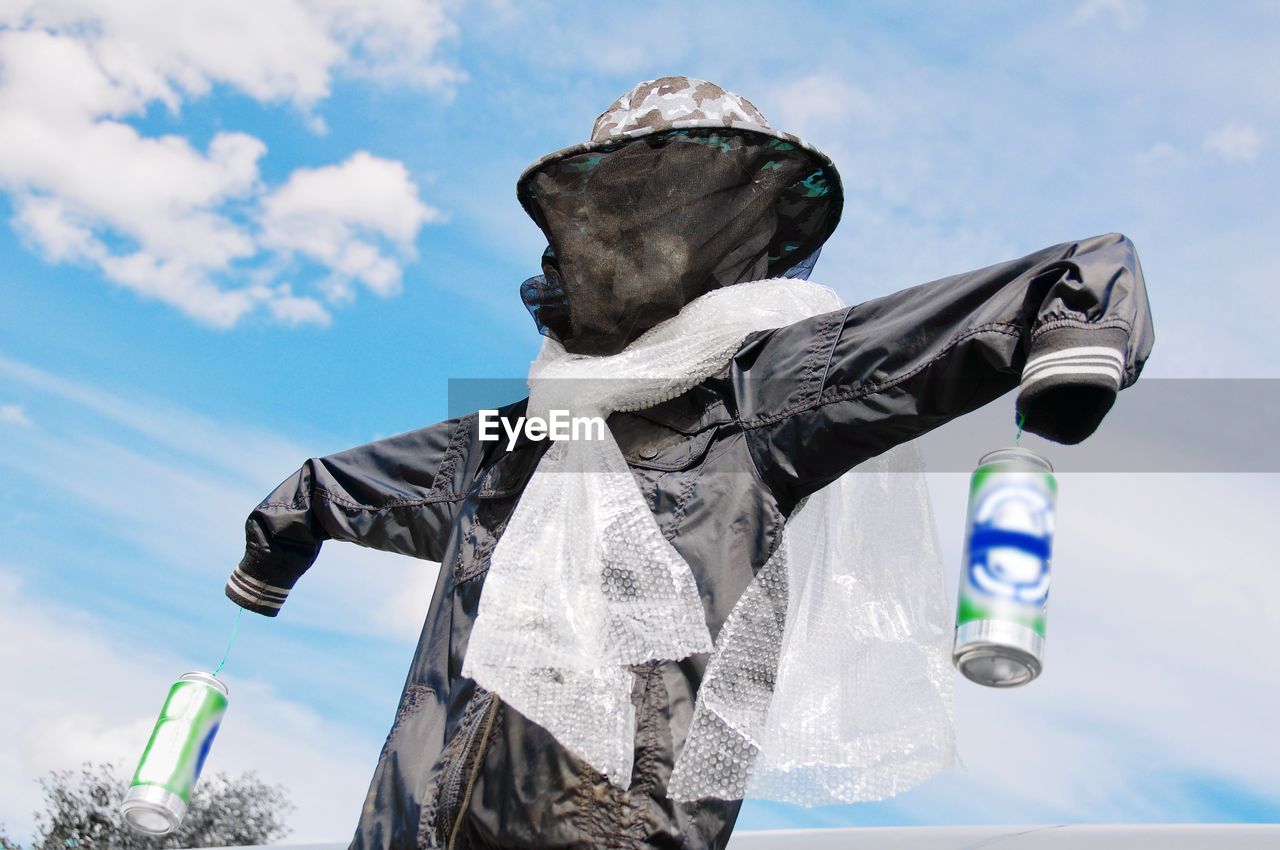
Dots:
(339, 215)
(172, 220)
(57, 655)
(1235, 143)
(1161, 159)
(964, 137)
(164, 491)
(948, 166)
(177, 485)
(14, 414)
(1135, 706)
(1125, 14)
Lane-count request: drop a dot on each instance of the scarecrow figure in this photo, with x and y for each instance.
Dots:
(735, 589)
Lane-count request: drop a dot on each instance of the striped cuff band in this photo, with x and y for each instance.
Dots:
(1070, 381)
(255, 594)
(1091, 361)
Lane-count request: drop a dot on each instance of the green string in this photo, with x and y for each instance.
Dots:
(235, 628)
(1022, 417)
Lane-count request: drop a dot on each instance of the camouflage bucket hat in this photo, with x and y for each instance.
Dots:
(697, 110)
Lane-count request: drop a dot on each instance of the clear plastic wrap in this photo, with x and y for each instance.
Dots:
(830, 681)
(582, 583)
(847, 696)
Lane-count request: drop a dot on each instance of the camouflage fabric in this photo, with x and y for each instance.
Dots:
(657, 105)
(675, 103)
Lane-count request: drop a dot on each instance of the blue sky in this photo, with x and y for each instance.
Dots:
(221, 257)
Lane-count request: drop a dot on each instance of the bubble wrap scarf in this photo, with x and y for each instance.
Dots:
(830, 681)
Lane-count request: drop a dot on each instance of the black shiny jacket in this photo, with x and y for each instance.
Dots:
(722, 467)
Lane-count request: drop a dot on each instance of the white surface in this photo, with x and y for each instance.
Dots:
(1048, 837)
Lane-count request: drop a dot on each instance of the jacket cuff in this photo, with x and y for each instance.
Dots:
(254, 593)
(1070, 380)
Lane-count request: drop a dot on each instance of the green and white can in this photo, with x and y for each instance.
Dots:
(161, 791)
(1004, 580)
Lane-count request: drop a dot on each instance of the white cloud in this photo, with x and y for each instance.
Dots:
(157, 51)
(394, 40)
(1124, 695)
(50, 224)
(1131, 689)
(916, 198)
(145, 447)
(290, 309)
(14, 414)
(157, 214)
(55, 657)
(826, 102)
(950, 166)
(1235, 143)
(1136, 712)
(338, 215)
(1160, 159)
(1126, 14)
(103, 456)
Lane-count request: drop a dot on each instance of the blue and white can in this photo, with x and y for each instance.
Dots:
(1004, 580)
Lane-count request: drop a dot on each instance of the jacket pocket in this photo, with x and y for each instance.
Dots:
(488, 507)
(649, 444)
(652, 448)
(443, 809)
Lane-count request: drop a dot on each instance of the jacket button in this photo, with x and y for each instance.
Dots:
(648, 453)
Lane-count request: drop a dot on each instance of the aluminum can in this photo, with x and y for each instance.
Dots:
(161, 790)
(1004, 580)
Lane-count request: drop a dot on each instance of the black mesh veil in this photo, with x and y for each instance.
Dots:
(638, 230)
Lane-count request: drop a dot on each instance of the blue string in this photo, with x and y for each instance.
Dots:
(231, 640)
(1022, 417)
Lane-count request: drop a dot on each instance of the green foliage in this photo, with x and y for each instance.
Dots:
(7, 843)
(82, 812)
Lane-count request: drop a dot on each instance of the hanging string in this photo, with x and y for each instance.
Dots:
(1022, 417)
(234, 629)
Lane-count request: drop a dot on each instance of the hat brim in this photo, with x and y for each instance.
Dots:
(835, 197)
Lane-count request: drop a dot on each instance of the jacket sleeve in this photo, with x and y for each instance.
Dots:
(397, 495)
(1068, 327)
